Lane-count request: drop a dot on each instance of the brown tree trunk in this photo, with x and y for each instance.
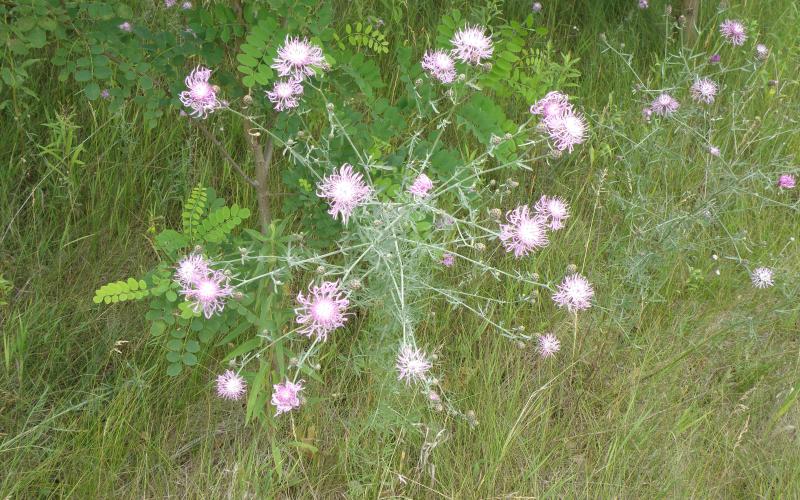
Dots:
(263, 158)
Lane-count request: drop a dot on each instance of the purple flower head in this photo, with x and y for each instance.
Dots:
(285, 396)
(575, 293)
(299, 59)
(566, 130)
(284, 94)
(126, 26)
(643, 4)
(230, 385)
(553, 104)
(554, 209)
(208, 293)
(548, 345)
(762, 52)
(169, 3)
(523, 234)
(647, 113)
(472, 45)
(733, 31)
(704, 90)
(787, 181)
(422, 184)
(448, 260)
(344, 190)
(322, 311)
(762, 277)
(439, 65)
(664, 105)
(537, 7)
(412, 364)
(191, 269)
(105, 94)
(201, 96)
(714, 59)
(713, 151)
(186, 5)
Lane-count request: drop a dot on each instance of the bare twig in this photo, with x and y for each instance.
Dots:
(211, 137)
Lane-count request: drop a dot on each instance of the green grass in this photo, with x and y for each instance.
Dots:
(684, 385)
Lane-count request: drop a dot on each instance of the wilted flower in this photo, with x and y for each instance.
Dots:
(126, 26)
(284, 94)
(733, 31)
(647, 113)
(285, 396)
(439, 65)
(186, 5)
(762, 277)
(762, 52)
(643, 4)
(786, 181)
(169, 3)
(713, 151)
(448, 260)
(537, 7)
(664, 105)
(554, 103)
(548, 345)
(422, 184)
(714, 59)
(566, 130)
(553, 208)
(523, 234)
(201, 97)
(299, 59)
(575, 293)
(208, 293)
(322, 311)
(704, 90)
(344, 190)
(472, 45)
(412, 364)
(230, 385)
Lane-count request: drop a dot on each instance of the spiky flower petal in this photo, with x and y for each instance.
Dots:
(284, 94)
(575, 293)
(548, 345)
(524, 233)
(762, 277)
(299, 58)
(344, 190)
(439, 65)
(733, 31)
(472, 45)
(554, 103)
(230, 385)
(554, 209)
(412, 364)
(285, 396)
(704, 90)
(422, 184)
(201, 96)
(566, 130)
(664, 105)
(322, 311)
(787, 181)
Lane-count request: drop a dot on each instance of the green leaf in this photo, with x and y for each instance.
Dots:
(174, 369)
(189, 359)
(83, 75)
(192, 346)
(157, 328)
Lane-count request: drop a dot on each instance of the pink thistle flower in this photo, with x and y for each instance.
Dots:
(186, 5)
(647, 113)
(472, 45)
(201, 96)
(439, 65)
(643, 4)
(448, 260)
(523, 234)
(230, 385)
(322, 311)
(285, 396)
(704, 90)
(126, 27)
(537, 7)
(762, 52)
(169, 3)
(422, 184)
(412, 364)
(344, 191)
(762, 277)
(548, 345)
(299, 59)
(105, 94)
(208, 293)
(192, 269)
(664, 105)
(284, 94)
(733, 31)
(575, 293)
(553, 208)
(566, 130)
(787, 181)
(713, 151)
(553, 104)
(714, 59)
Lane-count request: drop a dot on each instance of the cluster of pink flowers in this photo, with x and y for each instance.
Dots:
(297, 60)
(565, 126)
(412, 364)
(448, 260)
(322, 311)
(285, 396)
(200, 96)
(230, 385)
(345, 190)
(787, 181)
(208, 289)
(704, 90)
(733, 31)
(422, 184)
(526, 232)
(575, 293)
(471, 45)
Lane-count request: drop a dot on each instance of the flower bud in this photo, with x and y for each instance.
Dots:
(329, 106)
(572, 268)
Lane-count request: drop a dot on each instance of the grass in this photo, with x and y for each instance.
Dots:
(685, 383)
